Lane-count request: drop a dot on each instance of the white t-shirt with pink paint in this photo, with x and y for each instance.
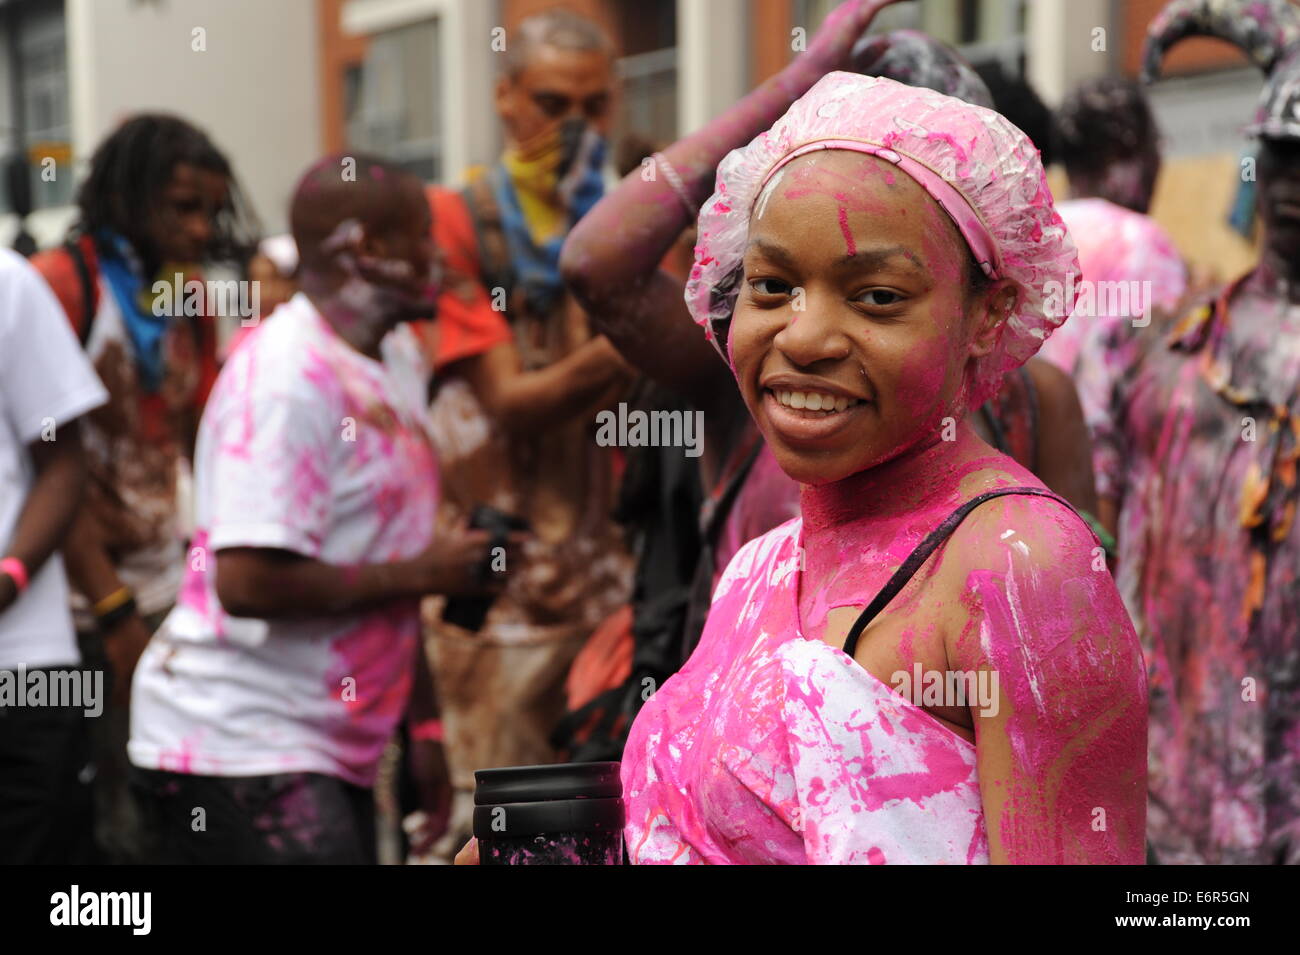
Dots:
(309, 446)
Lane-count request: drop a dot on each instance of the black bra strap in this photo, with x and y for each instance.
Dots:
(921, 554)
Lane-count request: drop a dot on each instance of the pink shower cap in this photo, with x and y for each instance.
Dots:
(981, 169)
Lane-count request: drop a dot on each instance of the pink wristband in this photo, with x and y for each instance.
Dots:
(17, 570)
(427, 731)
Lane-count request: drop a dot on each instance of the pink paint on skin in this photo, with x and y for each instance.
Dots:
(772, 745)
(850, 247)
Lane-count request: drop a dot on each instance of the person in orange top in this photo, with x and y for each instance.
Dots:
(472, 340)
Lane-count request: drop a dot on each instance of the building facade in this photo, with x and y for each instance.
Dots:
(278, 82)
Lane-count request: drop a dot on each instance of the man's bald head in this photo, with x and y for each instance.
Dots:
(384, 199)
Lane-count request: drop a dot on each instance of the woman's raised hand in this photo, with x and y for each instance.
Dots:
(832, 45)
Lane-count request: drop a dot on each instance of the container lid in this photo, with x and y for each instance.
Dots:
(555, 817)
(520, 784)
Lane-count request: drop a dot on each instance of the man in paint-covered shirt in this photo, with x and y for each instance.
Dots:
(1206, 418)
(516, 425)
(268, 694)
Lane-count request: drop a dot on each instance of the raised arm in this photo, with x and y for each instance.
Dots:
(611, 258)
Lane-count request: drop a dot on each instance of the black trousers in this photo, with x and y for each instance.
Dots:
(118, 836)
(283, 819)
(46, 814)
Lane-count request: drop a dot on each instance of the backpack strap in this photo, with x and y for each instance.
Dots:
(495, 268)
(88, 290)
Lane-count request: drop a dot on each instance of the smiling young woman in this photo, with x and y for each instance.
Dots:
(864, 365)
(866, 302)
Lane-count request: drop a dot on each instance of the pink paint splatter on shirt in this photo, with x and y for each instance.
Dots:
(771, 747)
(311, 447)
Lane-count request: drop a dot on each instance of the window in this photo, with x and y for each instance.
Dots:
(392, 99)
(648, 70)
(34, 119)
(983, 31)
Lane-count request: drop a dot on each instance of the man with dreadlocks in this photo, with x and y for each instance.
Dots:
(160, 200)
(1206, 417)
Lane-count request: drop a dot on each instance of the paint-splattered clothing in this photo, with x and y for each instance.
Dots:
(307, 446)
(502, 689)
(1205, 421)
(1116, 245)
(136, 444)
(769, 747)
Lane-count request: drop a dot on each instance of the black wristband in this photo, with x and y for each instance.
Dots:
(108, 621)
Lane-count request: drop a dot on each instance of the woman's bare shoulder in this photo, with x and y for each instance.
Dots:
(1033, 533)
(1025, 573)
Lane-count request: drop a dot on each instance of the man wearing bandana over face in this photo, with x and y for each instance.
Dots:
(502, 686)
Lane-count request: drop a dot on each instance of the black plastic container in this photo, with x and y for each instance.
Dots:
(566, 814)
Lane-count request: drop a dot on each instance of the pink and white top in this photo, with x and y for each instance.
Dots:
(309, 446)
(769, 746)
(1119, 249)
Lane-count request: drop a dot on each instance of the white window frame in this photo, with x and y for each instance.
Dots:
(465, 77)
(712, 59)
